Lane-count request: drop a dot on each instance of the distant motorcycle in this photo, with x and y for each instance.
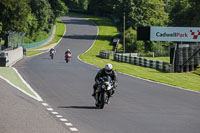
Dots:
(52, 54)
(103, 92)
(67, 57)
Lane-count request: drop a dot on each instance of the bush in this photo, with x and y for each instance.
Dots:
(132, 45)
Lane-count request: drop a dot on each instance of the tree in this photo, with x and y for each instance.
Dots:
(194, 13)
(103, 7)
(42, 15)
(154, 13)
(132, 45)
(179, 15)
(77, 4)
(14, 16)
(184, 12)
(143, 13)
(59, 8)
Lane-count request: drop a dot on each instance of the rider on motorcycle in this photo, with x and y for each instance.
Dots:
(52, 51)
(107, 71)
(68, 52)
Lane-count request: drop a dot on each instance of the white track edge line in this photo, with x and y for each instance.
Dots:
(19, 88)
(160, 83)
(34, 92)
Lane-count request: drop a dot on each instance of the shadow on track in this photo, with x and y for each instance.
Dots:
(78, 107)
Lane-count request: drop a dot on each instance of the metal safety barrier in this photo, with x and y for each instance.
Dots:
(159, 65)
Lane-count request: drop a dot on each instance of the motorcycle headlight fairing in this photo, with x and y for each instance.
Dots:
(103, 86)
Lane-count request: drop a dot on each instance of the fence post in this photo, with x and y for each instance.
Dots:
(180, 59)
(185, 54)
(121, 58)
(192, 59)
(157, 64)
(145, 62)
(125, 59)
(151, 63)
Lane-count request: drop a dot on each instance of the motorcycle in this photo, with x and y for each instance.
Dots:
(103, 92)
(67, 57)
(52, 54)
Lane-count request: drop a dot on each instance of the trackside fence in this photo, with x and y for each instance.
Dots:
(132, 58)
(159, 65)
(106, 54)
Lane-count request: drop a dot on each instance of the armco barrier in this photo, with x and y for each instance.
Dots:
(159, 65)
(105, 54)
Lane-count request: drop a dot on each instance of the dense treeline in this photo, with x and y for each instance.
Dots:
(30, 16)
(143, 13)
(34, 16)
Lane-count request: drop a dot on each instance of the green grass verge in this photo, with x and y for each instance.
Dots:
(166, 59)
(197, 71)
(106, 31)
(60, 30)
(9, 74)
(30, 53)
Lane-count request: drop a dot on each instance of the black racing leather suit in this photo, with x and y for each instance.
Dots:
(102, 73)
(51, 51)
(67, 52)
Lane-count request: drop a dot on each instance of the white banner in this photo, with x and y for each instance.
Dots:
(176, 34)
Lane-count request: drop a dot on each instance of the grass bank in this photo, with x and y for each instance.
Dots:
(106, 31)
(166, 59)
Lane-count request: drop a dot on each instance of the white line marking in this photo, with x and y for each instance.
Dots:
(59, 116)
(50, 109)
(91, 45)
(45, 104)
(69, 124)
(62, 119)
(73, 129)
(37, 97)
(160, 83)
(55, 113)
(19, 88)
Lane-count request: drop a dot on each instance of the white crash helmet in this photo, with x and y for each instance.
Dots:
(108, 68)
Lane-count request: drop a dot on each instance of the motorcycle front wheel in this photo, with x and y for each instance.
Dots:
(101, 100)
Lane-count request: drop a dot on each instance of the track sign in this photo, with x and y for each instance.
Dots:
(171, 34)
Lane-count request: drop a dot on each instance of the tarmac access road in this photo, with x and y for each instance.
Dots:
(22, 114)
(138, 106)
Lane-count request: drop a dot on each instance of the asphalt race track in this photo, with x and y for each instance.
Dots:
(138, 106)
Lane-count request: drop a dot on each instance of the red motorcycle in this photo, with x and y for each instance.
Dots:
(67, 57)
